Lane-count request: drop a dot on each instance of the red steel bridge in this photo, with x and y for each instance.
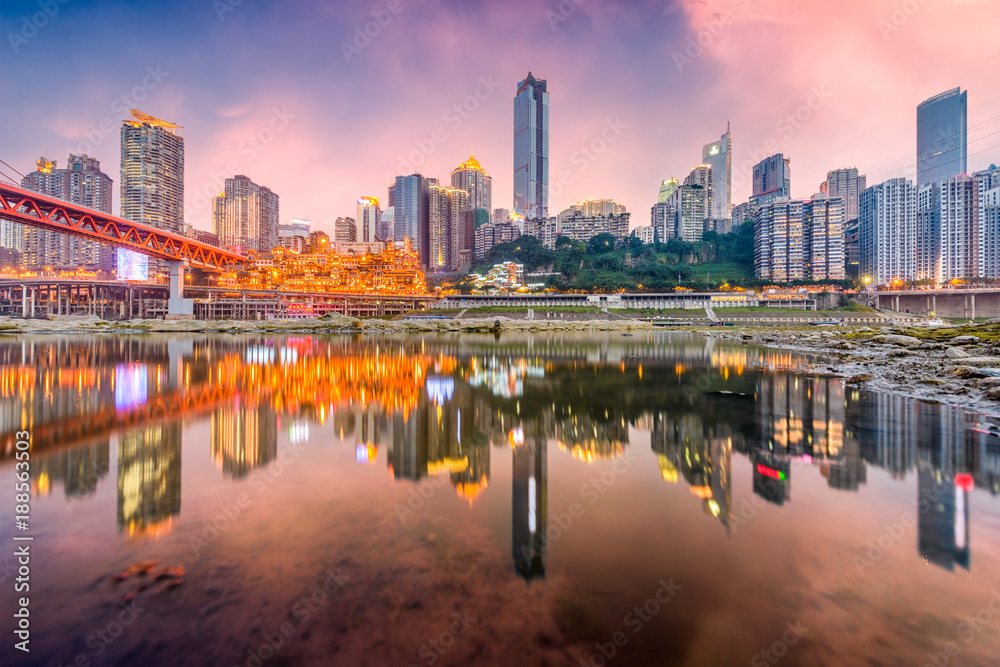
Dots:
(36, 210)
(31, 208)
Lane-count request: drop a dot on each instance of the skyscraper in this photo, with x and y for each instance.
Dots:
(471, 177)
(245, 215)
(81, 182)
(888, 231)
(152, 172)
(410, 201)
(531, 148)
(942, 137)
(152, 175)
(369, 220)
(718, 155)
(772, 180)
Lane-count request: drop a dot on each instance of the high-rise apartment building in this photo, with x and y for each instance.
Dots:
(929, 232)
(887, 215)
(152, 172)
(152, 175)
(942, 136)
(719, 156)
(582, 227)
(411, 213)
(450, 226)
(800, 240)
(471, 177)
(959, 219)
(772, 180)
(531, 148)
(847, 185)
(685, 213)
(81, 182)
(988, 188)
(369, 220)
(246, 216)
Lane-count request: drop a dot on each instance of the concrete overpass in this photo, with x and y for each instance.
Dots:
(950, 303)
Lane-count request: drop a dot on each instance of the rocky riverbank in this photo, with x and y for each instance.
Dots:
(951, 365)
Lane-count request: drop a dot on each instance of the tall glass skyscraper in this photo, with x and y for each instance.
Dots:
(409, 197)
(718, 155)
(942, 137)
(531, 148)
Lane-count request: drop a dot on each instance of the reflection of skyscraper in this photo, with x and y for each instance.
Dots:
(408, 457)
(244, 437)
(149, 478)
(529, 507)
(79, 469)
(943, 495)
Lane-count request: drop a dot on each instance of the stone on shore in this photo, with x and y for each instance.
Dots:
(967, 372)
(955, 353)
(898, 339)
(964, 340)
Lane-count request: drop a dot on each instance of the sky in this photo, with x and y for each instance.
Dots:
(325, 101)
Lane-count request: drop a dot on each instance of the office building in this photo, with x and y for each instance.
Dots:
(531, 148)
(772, 180)
(942, 137)
(471, 177)
(345, 230)
(80, 182)
(887, 219)
(718, 155)
(245, 216)
(387, 224)
(368, 220)
(411, 217)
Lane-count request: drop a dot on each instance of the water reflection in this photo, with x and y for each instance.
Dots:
(440, 406)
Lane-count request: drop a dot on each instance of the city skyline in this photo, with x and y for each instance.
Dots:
(821, 121)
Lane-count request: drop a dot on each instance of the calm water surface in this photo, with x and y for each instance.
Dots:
(559, 499)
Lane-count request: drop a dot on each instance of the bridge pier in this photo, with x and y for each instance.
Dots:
(177, 306)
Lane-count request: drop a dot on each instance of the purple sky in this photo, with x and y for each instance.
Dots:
(265, 89)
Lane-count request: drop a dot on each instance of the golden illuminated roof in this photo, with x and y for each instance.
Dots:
(144, 118)
(472, 163)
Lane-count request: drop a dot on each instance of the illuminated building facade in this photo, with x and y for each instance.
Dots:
(491, 234)
(152, 175)
(702, 176)
(449, 226)
(959, 213)
(368, 220)
(81, 182)
(531, 148)
(471, 177)
(246, 216)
